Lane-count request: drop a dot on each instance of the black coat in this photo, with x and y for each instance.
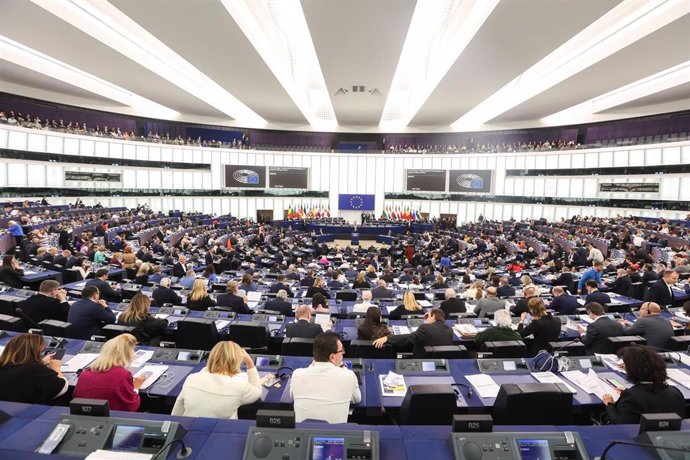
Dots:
(234, 302)
(201, 304)
(505, 291)
(32, 383)
(279, 305)
(162, 295)
(660, 294)
(598, 332)
(453, 305)
(621, 285)
(304, 329)
(11, 277)
(148, 331)
(40, 307)
(645, 399)
(564, 304)
(434, 334)
(545, 329)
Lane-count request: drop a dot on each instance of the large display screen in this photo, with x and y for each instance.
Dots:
(426, 180)
(534, 449)
(326, 448)
(239, 176)
(287, 177)
(470, 180)
(128, 438)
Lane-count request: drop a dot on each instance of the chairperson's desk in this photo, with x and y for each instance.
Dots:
(208, 438)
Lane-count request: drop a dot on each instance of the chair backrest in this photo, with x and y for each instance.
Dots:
(366, 349)
(196, 333)
(348, 296)
(56, 328)
(297, 346)
(71, 275)
(428, 405)
(533, 404)
(249, 335)
(573, 348)
(613, 344)
(506, 348)
(679, 343)
(113, 330)
(636, 290)
(447, 351)
(12, 323)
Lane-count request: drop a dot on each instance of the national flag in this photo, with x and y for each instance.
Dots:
(328, 212)
(289, 212)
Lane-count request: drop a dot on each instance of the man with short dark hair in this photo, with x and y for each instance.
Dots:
(280, 285)
(434, 332)
(101, 282)
(661, 291)
(601, 328)
(89, 314)
(325, 389)
(504, 288)
(49, 303)
(593, 273)
(594, 294)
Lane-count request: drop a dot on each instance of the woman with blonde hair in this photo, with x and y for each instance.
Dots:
(361, 281)
(199, 299)
(410, 306)
(143, 273)
(26, 376)
(147, 329)
(475, 292)
(319, 287)
(108, 378)
(220, 388)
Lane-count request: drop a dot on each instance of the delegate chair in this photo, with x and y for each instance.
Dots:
(573, 348)
(346, 296)
(506, 348)
(297, 346)
(614, 344)
(111, 331)
(446, 351)
(366, 349)
(12, 323)
(249, 335)
(196, 334)
(56, 328)
(428, 405)
(533, 404)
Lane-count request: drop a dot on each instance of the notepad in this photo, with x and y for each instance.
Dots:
(486, 386)
(141, 357)
(253, 296)
(399, 330)
(78, 362)
(550, 377)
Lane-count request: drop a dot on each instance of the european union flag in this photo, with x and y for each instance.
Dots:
(356, 202)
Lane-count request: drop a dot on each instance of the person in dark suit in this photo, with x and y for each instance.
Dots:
(180, 268)
(434, 332)
(564, 279)
(452, 304)
(101, 282)
(308, 279)
(648, 273)
(520, 306)
(49, 303)
(280, 285)
(199, 299)
(544, 327)
(335, 284)
(601, 328)
(303, 327)
(318, 287)
(594, 294)
(381, 291)
(650, 392)
(661, 292)
(621, 285)
(563, 303)
(209, 256)
(147, 329)
(656, 329)
(504, 288)
(164, 294)
(232, 300)
(89, 314)
(10, 273)
(279, 304)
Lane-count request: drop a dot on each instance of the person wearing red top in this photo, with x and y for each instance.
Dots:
(107, 377)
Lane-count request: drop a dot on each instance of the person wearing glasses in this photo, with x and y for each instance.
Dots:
(324, 390)
(49, 303)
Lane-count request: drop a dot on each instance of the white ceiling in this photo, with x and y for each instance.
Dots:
(357, 42)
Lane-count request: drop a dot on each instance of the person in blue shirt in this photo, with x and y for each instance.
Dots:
(16, 231)
(593, 273)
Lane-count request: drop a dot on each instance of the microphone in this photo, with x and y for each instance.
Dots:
(183, 453)
(639, 444)
(61, 342)
(470, 390)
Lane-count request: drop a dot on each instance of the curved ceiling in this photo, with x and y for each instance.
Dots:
(356, 65)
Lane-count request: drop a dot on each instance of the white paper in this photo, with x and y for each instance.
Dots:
(581, 302)
(390, 308)
(424, 303)
(486, 386)
(113, 455)
(586, 319)
(30, 272)
(550, 377)
(253, 296)
(221, 324)
(393, 385)
(141, 357)
(678, 376)
(465, 330)
(591, 383)
(324, 321)
(570, 324)
(78, 362)
(156, 371)
(399, 330)
(161, 316)
(612, 361)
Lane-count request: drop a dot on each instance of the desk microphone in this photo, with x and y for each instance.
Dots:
(470, 391)
(61, 342)
(183, 453)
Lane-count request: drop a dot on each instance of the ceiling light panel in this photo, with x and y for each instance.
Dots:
(439, 32)
(625, 24)
(279, 32)
(32, 59)
(107, 24)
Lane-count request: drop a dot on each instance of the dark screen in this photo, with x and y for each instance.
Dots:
(426, 180)
(280, 177)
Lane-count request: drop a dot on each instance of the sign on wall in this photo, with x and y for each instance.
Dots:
(288, 177)
(470, 181)
(240, 176)
(629, 187)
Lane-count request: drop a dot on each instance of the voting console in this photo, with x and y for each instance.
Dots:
(518, 446)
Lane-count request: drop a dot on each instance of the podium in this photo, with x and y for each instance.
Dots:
(354, 241)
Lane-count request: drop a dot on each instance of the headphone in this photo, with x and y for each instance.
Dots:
(284, 372)
(470, 390)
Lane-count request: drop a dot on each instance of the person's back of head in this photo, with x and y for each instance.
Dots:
(592, 284)
(373, 316)
(595, 308)
(436, 314)
(225, 358)
(644, 365)
(89, 292)
(366, 296)
(450, 293)
(23, 349)
(502, 318)
(491, 291)
(165, 282)
(48, 286)
(325, 345)
(558, 291)
(303, 312)
(116, 352)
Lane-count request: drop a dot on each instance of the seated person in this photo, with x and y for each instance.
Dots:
(434, 332)
(280, 304)
(650, 392)
(502, 331)
(142, 276)
(621, 285)
(280, 284)
(520, 306)
(108, 378)
(89, 314)
(381, 291)
(232, 300)
(504, 288)
(562, 303)
(361, 281)
(26, 376)
(10, 273)
(303, 327)
(595, 295)
(489, 304)
(656, 329)
(325, 389)
(410, 306)
(148, 329)
(248, 284)
(452, 304)
(318, 287)
(164, 294)
(106, 290)
(319, 304)
(199, 299)
(221, 387)
(543, 327)
(364, 305)
(187, 281)
(49, 303)
(371, 328)
(601, 328)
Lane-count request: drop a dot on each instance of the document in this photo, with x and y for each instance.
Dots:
(486, 386)
(550, 377)
(424, 303)
(141, 357)
(253, 296)
(324, 321)
(393, 385)
(570, 324)
(586, 319)
(222, 324)
(399, 330)
(390, 308)
(113, 455)
(154, 371)
(591, 383)
(679, 376)
(612, 361)
(78, 362)
(161, 316)
(465, 330)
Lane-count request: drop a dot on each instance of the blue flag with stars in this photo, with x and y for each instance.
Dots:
(356, 202)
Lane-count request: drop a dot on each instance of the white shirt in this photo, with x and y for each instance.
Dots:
(362, 307)
(215, 395)
(323, 391)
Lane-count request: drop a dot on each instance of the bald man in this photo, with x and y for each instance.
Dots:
(303, 327)
(563, 303)
(656, 329)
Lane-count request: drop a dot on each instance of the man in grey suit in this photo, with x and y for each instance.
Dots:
(489, 304)
(381, 291)
(601, 328)
(656, 329)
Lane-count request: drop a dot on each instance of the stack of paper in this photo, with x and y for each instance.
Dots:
(570, 324)
(78, 362)
(393, 385)
(550, 377)
(465, 330)
(141, 357)
(678, 376)
(612, 361)
(590, 383)
(586, 318)
(398, 330)
(324, 321)
(221, 324)
(484, 384)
